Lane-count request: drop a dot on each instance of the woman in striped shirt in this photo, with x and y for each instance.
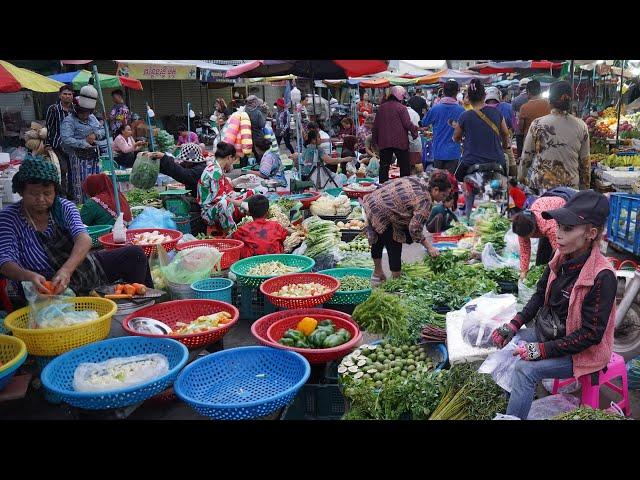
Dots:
(42, 237)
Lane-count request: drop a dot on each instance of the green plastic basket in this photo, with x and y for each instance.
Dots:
(96, 231)
(250, 168)
(178, 206)
(349, 298)
(241, 267)
(183, 223)
(335, 192)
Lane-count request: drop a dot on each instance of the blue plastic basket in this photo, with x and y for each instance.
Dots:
(57, 376)
(213, 289)
(622, 225)
(242, 383)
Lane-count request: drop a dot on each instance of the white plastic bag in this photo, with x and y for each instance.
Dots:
(501, 364)
(501, 416)
(551, 406)
(524, 293)
(118, 373)
(491, 260)
(512, 247)
(484, 314)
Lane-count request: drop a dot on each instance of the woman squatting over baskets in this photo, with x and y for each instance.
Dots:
(397, 213)
(42, 237)
(573, 306)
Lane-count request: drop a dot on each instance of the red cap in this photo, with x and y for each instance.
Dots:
(280, 102)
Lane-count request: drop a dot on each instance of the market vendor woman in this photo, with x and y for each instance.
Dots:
(100, 208)
(573, 307)
(42, 237)
(397, 213)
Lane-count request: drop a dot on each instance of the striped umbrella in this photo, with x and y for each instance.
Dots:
(14, 79)
(81, 78)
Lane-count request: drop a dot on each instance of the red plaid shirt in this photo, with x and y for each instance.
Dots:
(261, 237)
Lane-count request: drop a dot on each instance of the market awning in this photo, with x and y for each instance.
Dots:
(446, 74)
(321, 69)
(14, 79)
(81, 78)
(491, 68)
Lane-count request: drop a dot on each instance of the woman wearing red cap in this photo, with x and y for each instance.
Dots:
(282, 127)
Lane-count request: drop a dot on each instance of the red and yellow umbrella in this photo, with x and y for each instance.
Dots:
(14, 79)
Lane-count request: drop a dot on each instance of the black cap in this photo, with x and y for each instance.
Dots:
(587, 206)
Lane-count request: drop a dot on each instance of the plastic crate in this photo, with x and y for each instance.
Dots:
(251, 302)
(316, 402)
(178, 206)
(623, 220)
(183, 223)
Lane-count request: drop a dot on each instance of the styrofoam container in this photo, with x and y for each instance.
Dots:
(5, 158)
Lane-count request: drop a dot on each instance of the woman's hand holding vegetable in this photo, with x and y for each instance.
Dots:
(39, 282)
(61, 281)
(528, 351)
(502, 335)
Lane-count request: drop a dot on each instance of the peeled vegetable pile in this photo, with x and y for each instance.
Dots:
(302, 290)
(309, 333)
(353, 224)
(118, 373)
(150, 238)
(359, 187)
(203, 323)
(331, 207)
(271, 269)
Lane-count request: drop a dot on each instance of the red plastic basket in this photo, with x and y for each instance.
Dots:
(107, 240)
(357, 194)
(269, 287)
(316, 355)
(259, 327)
(306, 202)
(230, 249)
(446, 238)
(185, 311)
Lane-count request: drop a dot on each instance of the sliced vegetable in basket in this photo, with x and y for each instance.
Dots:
(203, 323)
(271, 269)
(353, 283)
(302, 290)
(309, 333)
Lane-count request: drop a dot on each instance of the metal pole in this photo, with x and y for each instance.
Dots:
(105, 124)
(188, 119)
(572, 79)
(153, 148)
(620, 104)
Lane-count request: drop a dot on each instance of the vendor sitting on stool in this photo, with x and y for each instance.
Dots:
(42, 237)
(261, 236)
(573, 307)
(442, 215)
(100, 208)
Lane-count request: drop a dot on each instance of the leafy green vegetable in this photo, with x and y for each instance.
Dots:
(322, 236)
(384, 314)
(137, 197)
(457, 229)
(144, 172)
(588, 413)
(504, 274)
(492, 228)
(534, 275)
(469, 395)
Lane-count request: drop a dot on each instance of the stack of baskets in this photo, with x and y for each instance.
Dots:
(96, 231)
(252, 303)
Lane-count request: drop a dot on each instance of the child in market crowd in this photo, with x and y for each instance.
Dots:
(261, 236)
(517, 197)
(573, 306)
(442, 215)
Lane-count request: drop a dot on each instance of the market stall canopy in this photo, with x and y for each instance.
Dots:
(14, 79)
(448, 73)
(75, 62)
(81, 78)
(323, 69)
(510, 67)
(279, 78)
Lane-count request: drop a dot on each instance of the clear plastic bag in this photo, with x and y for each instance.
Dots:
(53, 311)
(524, 293)
(501, 364)
(491, 260)
(547, 383)
(483, 315)
(191, 265)
(145, 171)
(118, 373)
(154, 218)
(551, 406)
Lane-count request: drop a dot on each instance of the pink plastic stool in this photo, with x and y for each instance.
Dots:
(591, 393)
